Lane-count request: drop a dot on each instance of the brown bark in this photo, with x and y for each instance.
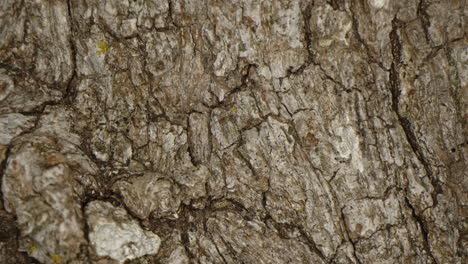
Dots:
(301, 131)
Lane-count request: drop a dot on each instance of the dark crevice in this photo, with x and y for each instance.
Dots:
(85, 229)
(190, 217)
(35, 113)
(355, 26)
(186, 243)
(424, 229)
(246, 161)
(72, 46)
(193, 159)
(170, 18)
(219, 253)
(244, 80)
(312, 245)
(231, 250)
(424, 16)
(334, 4)
(9, 232)
(11, 68)
(283, 229)
(410, 135)
(346, 229)
(404, 122)
(306, 14)
(3, 166)
(244, 84)
(70, 91)
(264, 200)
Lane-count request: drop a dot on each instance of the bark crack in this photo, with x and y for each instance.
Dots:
(410, 135)
(3, 166)
(424, 16)
(312, 245)
(70, 92)
(424, 228)
(346, 229)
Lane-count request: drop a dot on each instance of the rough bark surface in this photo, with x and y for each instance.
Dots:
(247, 131)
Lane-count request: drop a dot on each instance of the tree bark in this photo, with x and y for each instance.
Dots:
(300, 131)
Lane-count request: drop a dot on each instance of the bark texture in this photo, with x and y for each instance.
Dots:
(247, 131)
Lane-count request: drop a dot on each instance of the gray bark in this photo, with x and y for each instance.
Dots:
(301, 131)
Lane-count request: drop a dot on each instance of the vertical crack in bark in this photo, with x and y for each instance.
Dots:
(3, 166)
(334, 4)
(221, 255)
(306, 14)
(231, 250)
(70, 91)
(186, 243)
(84, 249)
(360, 39)
(355, 26)
(410, 136)
(424, 16)
(346, 229)
(210, 235)
(424, 228)
(169, 18)
(312, 245)
(194, 160)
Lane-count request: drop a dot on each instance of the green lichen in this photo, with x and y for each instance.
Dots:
(32, 250)
(103, 48)
(56, 258)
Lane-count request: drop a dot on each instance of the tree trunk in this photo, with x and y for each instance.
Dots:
(301, 131)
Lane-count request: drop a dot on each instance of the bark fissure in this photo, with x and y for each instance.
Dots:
(410, 136)
(424, 16)
(348, 237)
(313, 246)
